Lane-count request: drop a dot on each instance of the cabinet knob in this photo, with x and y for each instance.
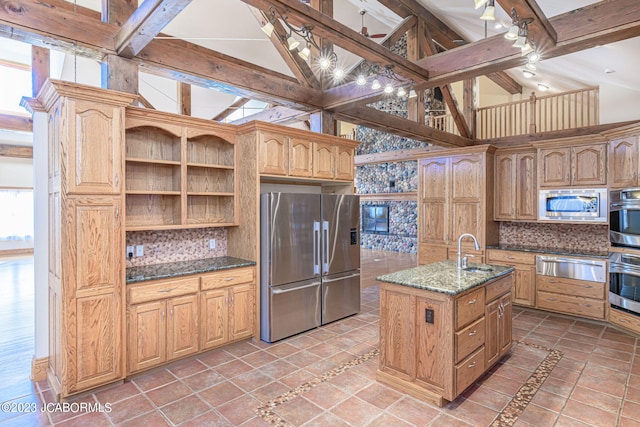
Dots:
(473, 301)
(472, 333)
(472, 365)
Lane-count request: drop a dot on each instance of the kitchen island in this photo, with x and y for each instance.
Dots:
(442, 327)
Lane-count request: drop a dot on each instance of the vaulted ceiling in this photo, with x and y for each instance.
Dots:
(218, 45)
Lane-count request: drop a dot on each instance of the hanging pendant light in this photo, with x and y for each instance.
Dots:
(292, 43)
(267, 28)
(480, 3)
(305, 52)
(489, 12)
(375, 85)
(512, 34)
(361, 80)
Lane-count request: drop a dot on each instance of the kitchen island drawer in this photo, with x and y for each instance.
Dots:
(220, 279)
(469, 308)
(161, 289)
(469, 339)
(469, 370)
(573, 287)
(510, 257)
(571, 304)
(498, 288)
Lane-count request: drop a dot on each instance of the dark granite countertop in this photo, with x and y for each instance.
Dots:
(444, 277)
(554, 251)
(183, 268)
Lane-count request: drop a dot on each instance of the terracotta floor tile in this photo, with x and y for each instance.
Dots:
(633, 392)
(616, 345)
(589, 414)
(568, 344)
(631, 410)
(150, 419)
(298, 411)
(489, 398)
(599, 371)
(599, 400)
(208, 419)
(471, 412)
(154, 379)
(616, 335)
(555, 386)
(513, 373)
(351, 382)
(552, 330)
(269, 391)
(566, 375)
(92, 419)
(278, 369)
(356, 412)
(500, 384)
(239, 410)
(538, 416)
(241, 348)
(565, 421)
(413, 411)
(185, 368)
(215, 358)
(286, 348)
(233, 368)
(321, 334)
(612, 387)
(550, 401)
(129, 408)
(387, 420)
(255, 422)
(585, 339)
(341, 358)
(568, 363)
(608, 362)
(379, 395)
(259, 358)
(58, 416)
(220, 394)
(184, 410)
(321, 366)
(303, 358)
(327, 419)
(613, 354)
(202, 380)
(628, 422)
(324, 350)
(325, 395)
(117, 393)
(446, 420)
(251, 380)
(299, 342)
(168, 393)
(298, 377)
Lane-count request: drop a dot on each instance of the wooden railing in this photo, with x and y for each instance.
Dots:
(443, 122)
(568, 110)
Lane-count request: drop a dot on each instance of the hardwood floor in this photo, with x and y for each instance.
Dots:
(375, 263)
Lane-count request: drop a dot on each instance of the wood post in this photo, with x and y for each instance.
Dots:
(532, 113)
(40, 68)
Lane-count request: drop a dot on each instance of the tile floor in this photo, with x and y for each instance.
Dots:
(326, 377)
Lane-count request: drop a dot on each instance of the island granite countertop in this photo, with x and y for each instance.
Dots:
(183, 268)
(444, 277)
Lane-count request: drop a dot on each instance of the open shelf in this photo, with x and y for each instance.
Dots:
(152, 177)
(210, 209)
(149, 210)
(210, 150)
(209, 180)
(152, 144)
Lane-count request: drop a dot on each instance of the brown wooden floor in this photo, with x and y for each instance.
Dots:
(375, 263)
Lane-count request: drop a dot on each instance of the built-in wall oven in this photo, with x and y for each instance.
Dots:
(573, 205)
(624, 218)
(624, 281)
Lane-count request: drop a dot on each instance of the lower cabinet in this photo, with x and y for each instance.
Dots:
(524, 276)
(569, 296)
(417, 353)
(174, 318)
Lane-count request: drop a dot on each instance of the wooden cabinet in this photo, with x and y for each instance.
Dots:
(173, 318)
(162, 322)
(180, 172)
(301, 154)
(572, 165)
(624, 153)
(454, 192)
(86, 236)
(524, 277)
(515, 186)
(417, 353)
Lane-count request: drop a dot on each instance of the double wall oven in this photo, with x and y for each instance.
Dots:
(624, 260)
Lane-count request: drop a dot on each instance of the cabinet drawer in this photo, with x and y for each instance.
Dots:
(625, 320)
(469, 307)
(510, 257)
(229, 277)
(579, 288)
(572, 305)
(162, 289)
(469, 339)
(469, 370)
(498, 287)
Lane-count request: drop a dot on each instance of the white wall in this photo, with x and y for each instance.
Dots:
(16, 173)
(616, 105)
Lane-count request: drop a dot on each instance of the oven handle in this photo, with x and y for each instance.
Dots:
(572, 261)
(615, 267)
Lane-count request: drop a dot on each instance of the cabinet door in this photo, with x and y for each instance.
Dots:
(555, 167)
(433, 201)
(492, 340)
(93, 291)
(466, 218)
(524, 290)
(505, 325)
(467, 177)
(323, 160)
(526, 188)
(397, 334)
(214, 318)
(95, 135)
(505, 187)
(344, 163)
(300, 158)
(273, 153)
(147, 342)
(241, 311)
(589, 164)
(623, 162)
(182, 326)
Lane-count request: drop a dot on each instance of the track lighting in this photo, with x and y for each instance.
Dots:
(361, 80)
(375, 85)
(388, 88)
(401, 91)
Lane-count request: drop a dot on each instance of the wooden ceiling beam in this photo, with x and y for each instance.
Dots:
(231, 109)
(17, 151)
(343, 36)
(278, 114)
(16, 122)
(597, 24)
(146, 22)
(55, 25)
(296, 64)
(397, 125)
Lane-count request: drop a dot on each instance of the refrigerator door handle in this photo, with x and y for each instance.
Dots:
(281, 291)
(325, 240)
(316, 247)
(340, 278)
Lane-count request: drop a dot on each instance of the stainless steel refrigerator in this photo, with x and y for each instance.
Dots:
(310, 261)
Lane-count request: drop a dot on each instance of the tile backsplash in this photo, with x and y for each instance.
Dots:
(176, 245)
(590, 237)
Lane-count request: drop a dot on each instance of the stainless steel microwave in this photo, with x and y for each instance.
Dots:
(573, 205)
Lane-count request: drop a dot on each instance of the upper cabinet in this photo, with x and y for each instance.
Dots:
(569, 163)
(180, 172)
(515, 185)
(291, 152)
(623, 157)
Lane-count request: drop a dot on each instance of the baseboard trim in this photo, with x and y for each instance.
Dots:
(39, 368)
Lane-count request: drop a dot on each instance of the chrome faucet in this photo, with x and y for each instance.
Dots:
(461, 261)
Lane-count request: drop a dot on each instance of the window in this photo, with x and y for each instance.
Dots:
(375, 219)
(16, 215)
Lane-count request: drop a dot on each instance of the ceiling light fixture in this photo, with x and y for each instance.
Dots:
(376, 85)
(543, 87)
(361, 80)
(531, 66)
(489, 11)
(305, 53)
(528, 74)
(480, 3)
